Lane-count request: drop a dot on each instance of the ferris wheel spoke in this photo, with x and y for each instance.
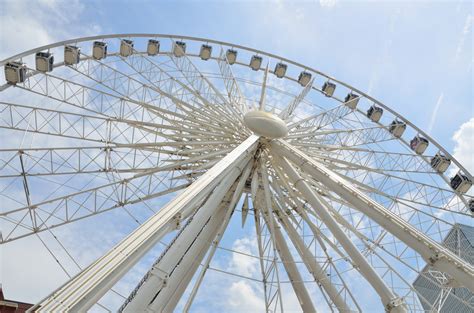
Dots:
(83, 160)
(340, 135)
(364, 170)
(377, 161)
(79, 205)
(462, 272)
(87, 98)
(234, 93)
(167, 84)
(288, 111)
(74, 125)
(408, 192)
(315, 122)
(209, 119)
(201, 85)
(353, 138)
(129, 87)
(180, 94)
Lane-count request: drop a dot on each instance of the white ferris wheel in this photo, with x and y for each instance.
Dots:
(348, 203)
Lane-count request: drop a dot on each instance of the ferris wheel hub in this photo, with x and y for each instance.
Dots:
(265, 124)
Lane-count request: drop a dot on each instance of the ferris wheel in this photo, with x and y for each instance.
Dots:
(350, 207)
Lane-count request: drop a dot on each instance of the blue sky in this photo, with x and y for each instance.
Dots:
(415, 56)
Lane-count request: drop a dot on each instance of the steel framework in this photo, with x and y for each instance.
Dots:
(344, 208)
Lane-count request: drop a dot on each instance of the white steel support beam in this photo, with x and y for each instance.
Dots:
(285, 254)
(236, 197)
(432, 252)
(390, 301)
(86, 288)
(221, 220)
(164, 281)
(313, 266)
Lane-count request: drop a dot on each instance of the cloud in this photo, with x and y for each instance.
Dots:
(243, 264)
(435, 112)
(242, 290)
(327, 3)
(29, 24)
(463, 149)
(17, 268)
(464, 34)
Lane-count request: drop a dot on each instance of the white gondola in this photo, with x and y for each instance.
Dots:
(440, 162)
(351, 100)
(280, 69)
(231, 56)
(461, 183)
(374, 113)
(153, 47)
(179, 48)
(328, 89)
(126, 47)
(255, 62)
(205, 52)
(72, 55)
(419, 144)
(15, 72)
(304, 78)
(397, 128)
(44, 61)
(470, 205)
(99, 50)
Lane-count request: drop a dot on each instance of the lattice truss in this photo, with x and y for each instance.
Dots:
(342, 214)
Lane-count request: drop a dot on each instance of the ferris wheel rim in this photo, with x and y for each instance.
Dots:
(397, 115)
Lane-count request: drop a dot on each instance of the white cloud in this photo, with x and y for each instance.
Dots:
(435, 112)
(327, 3)
(464, 34)
(29, 24)
(243, 298)
(20, 264)
(243, 264)
(464, 149)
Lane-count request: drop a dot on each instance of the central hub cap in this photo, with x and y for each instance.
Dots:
(265, 124)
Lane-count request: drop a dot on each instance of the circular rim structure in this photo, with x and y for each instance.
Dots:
(341, 199)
